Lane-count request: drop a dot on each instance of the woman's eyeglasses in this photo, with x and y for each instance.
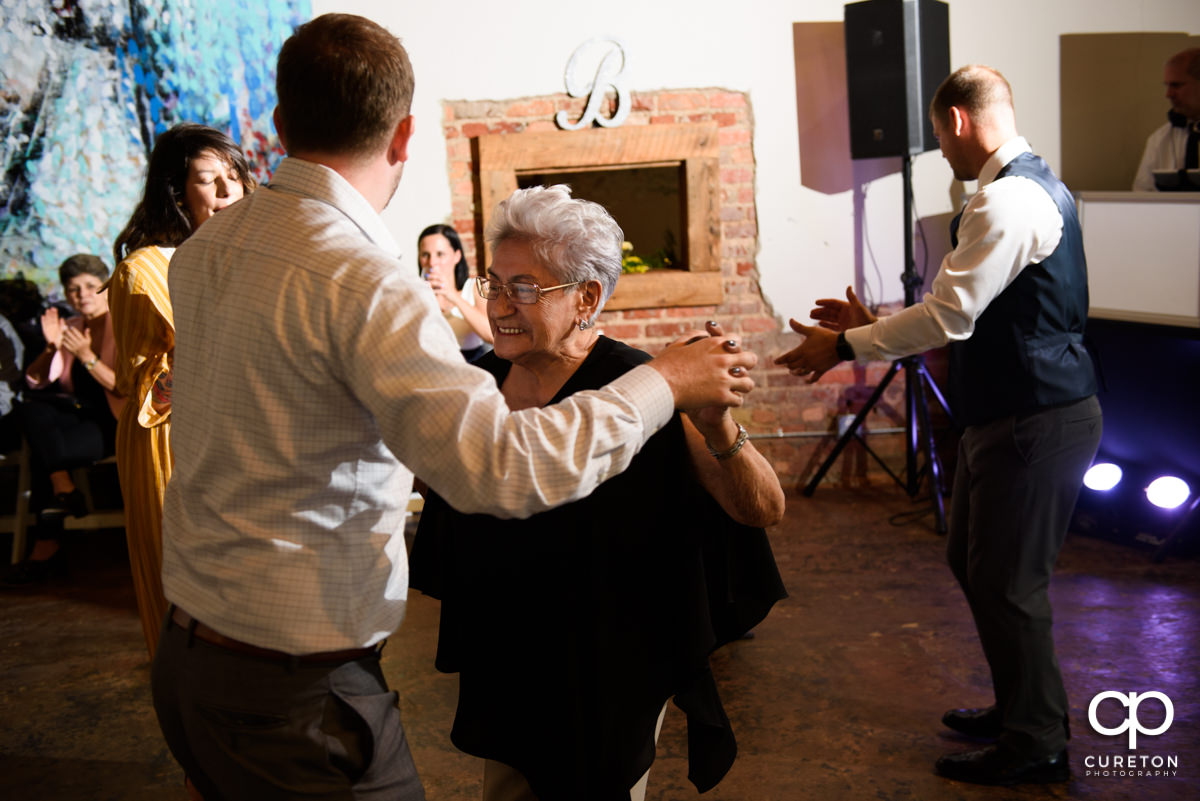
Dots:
(517, 291)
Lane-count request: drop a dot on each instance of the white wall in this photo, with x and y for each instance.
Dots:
(481, 50)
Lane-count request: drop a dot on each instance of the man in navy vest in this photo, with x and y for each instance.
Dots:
(1010, 300)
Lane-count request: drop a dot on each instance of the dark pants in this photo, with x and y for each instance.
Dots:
(245, 727)
(63, 435)
(1014, 492)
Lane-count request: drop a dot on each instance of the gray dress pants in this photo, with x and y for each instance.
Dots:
(249, 728)
(1015, 489)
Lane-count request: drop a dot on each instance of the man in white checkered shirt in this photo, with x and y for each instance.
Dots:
(312, 377)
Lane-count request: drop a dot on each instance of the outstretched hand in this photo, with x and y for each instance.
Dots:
(842, 315)
(705, 370)
(812, 357)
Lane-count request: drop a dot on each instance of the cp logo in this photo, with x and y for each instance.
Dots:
(1131, 723)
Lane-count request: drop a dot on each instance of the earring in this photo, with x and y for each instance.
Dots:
(584, 325)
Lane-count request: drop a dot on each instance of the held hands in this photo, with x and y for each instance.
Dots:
(713, 421)
(706, 370)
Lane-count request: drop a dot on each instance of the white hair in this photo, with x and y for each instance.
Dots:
(575, 239)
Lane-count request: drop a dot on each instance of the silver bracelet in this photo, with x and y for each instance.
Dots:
(734, 448)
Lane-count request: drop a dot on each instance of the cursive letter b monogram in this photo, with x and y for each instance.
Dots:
(609, 73)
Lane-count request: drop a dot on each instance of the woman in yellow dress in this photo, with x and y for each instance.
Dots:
(194, 172)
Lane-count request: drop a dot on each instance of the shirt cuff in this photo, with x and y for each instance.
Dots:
(860, 340)
(647, 390)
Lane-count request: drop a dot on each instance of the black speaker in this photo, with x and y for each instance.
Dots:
(897, 53)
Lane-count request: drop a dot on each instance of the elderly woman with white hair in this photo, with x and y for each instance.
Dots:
(571, 630)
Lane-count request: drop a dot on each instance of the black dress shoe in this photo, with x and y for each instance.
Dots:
(997, 765)
(982, 724)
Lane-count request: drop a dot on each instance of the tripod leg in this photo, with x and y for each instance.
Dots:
(851, 431)
(934, 460)
(912, 403)
(931, 455)
(937, 393)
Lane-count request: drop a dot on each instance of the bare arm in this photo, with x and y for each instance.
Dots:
(741, 480)
(79, 343)
(744, 483)
(38, 373)
(475, 316)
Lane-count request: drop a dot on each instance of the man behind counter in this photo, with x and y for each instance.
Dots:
(1176, 144)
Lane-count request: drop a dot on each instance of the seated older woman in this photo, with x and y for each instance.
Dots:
(571, 630)
(72, 420)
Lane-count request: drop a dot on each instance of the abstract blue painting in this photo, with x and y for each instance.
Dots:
(87, 85)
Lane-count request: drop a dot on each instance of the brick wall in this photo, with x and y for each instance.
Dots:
(793, 421)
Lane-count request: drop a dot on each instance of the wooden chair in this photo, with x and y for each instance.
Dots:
(19, 521)
(22, 518)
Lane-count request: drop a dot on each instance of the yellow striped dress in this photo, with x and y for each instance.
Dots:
(145, 338)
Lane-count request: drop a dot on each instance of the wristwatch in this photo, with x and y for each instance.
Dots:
(844, 351)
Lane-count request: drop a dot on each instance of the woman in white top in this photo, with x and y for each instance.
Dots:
(444, 266)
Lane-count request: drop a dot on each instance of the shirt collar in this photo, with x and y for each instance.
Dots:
(998, 160)
(316, 181)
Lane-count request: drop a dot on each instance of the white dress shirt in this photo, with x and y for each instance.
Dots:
(1165, 149)
(1006, 225)
(312, 376)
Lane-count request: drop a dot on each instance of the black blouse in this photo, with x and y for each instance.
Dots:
(571, 629)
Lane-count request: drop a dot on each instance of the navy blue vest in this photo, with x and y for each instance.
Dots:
(1027, 349)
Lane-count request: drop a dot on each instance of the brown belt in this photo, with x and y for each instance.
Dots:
(205, 634)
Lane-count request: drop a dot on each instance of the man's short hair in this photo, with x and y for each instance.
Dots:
(344, 82)
(1188, 59)
(974, 88)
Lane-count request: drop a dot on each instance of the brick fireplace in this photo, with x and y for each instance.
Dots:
(708, 134)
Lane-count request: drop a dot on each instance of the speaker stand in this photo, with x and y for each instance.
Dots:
(917, 429)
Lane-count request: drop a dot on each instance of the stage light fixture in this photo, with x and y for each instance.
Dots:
(1102, 476)
(1168, 492)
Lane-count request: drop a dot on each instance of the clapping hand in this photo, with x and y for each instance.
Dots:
(52, 327)
(78, 343)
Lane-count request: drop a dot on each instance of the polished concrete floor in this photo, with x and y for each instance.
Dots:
(837, 696)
